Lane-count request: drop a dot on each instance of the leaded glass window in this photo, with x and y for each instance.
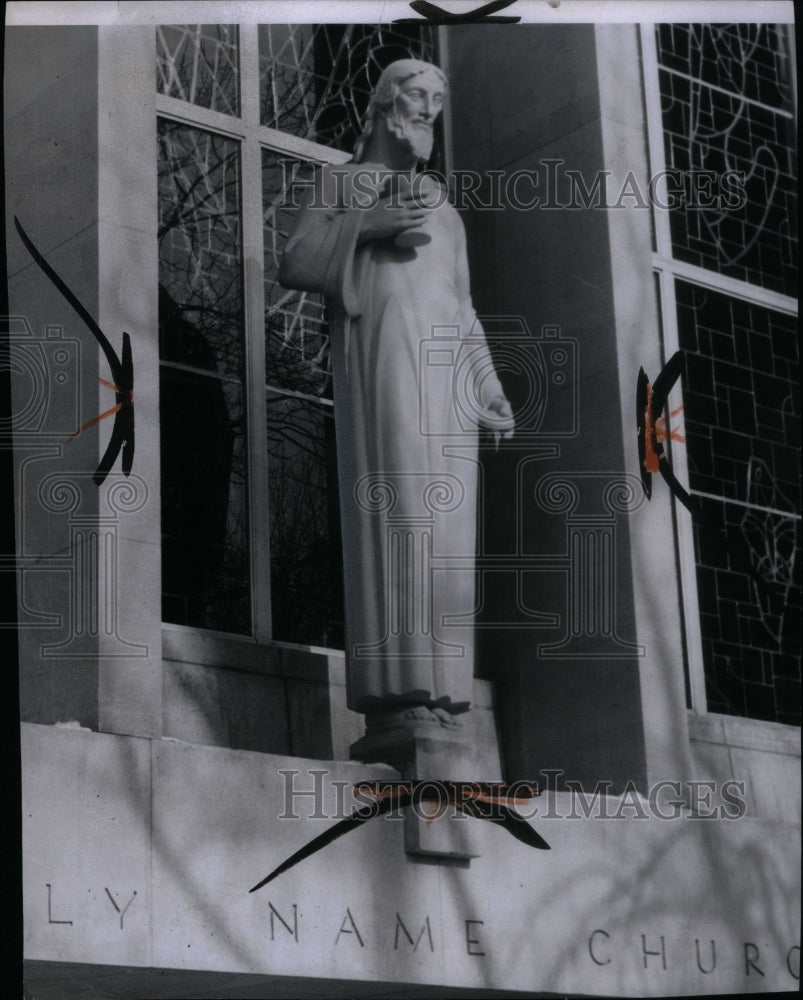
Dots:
(742, 415)
(727, 269)
(727, 105)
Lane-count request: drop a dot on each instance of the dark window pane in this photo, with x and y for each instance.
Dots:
(742, 427)
(200, 258)
(741, 396)
(205, 561)
(744, 59)
(726, 102)
(200, 63)
(204, 511)
(306, 566)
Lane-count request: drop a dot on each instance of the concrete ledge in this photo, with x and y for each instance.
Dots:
(748, 734)
(50, 981)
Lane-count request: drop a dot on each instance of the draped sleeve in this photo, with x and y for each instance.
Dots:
(319, 255)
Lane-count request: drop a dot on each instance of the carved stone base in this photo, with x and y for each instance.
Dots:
(420, 751)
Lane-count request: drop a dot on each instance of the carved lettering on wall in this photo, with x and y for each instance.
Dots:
(292, 931)
(122, 912)
(472, 943)
(50, 919)
(713, 956)
(646, 951)
(603, 948)
(345, 930)
(750, 958)
(591, 945)
(424, 927)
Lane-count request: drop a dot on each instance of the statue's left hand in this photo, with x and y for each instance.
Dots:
(499, 419)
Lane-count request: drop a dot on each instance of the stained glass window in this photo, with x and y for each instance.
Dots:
(742, 420)
(205, 559)
(727, 109)
(726, 96)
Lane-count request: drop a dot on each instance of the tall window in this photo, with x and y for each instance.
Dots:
(721, 111)
(250, 525)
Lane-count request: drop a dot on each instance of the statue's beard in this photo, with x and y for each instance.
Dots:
(417, 136)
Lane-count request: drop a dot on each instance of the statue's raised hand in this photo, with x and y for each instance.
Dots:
(395, 213)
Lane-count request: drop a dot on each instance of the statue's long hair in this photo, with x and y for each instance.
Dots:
(384, 97)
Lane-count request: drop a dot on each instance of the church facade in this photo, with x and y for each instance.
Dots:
(629, 196)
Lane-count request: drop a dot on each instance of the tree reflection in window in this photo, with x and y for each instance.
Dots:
(306, 563)
(199, 63)
(316, 79)
(205, 561)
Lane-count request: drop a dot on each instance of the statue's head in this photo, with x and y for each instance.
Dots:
(408, 98)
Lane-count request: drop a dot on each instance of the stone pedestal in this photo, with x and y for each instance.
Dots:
(426, 750)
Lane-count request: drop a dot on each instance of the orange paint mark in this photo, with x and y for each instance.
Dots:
(129, 401)
(650, 454)
(662, 433)
(463, 794)
(657, 433)
(395, 791)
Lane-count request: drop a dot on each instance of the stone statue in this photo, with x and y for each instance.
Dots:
(413, 379)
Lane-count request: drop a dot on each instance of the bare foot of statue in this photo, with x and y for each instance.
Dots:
(421, 713)
(417, 713)
(411, 716)
(446, 719)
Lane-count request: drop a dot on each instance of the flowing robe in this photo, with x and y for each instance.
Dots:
(411, 372)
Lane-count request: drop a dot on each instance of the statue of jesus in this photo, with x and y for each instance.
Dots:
(413, 380)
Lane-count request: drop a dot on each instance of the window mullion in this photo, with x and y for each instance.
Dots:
(655, 134)
(255, 368)
(665, 267)
(255, 334)
(249, 76)
(198, 117)
(684, 527)
(305, 149)
(696, 275)
(446, 114)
